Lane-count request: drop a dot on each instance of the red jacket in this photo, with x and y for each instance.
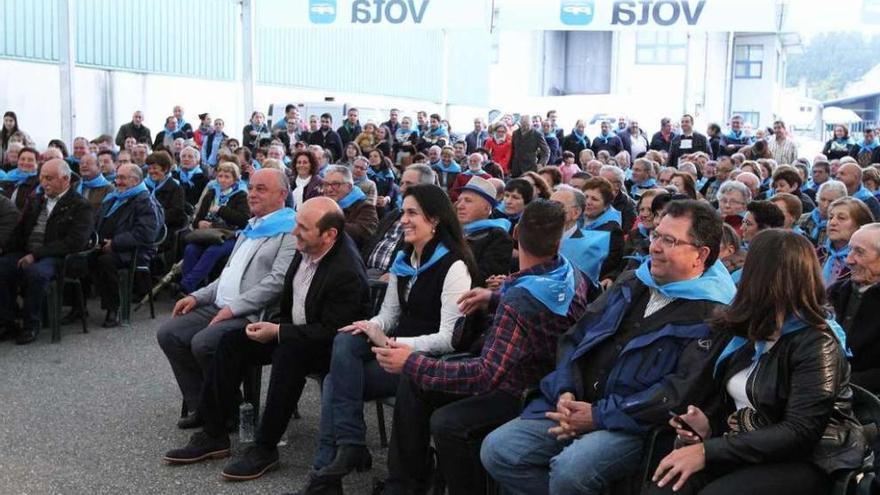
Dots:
(461, 181)
(501, 152)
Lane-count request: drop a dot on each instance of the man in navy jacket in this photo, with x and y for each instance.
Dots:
(641, 350)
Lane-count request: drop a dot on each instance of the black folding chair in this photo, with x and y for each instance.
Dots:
(69, 273)
(126, 280)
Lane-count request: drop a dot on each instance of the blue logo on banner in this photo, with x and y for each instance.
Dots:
(577, 12)
(322, 11)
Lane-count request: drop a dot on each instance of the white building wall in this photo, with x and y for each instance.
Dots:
(759, 95)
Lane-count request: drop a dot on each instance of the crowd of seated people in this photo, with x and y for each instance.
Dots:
(547, 299)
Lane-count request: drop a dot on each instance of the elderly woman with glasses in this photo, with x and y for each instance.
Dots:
(733, 198)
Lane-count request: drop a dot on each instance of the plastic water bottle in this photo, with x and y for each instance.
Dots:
(246, 422)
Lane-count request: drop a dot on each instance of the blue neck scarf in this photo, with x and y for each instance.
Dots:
(609, 215)
(834, 257)
(452, 168)
(118, 199)
(489, 223)
(650, 183)
(380, 175)
(713, 285)
(819, 224)
(587, 251)
(186, 176)
(402, 267)
(604, 138)
(220, 198)
(581, 138)
(735, 136)
(790, 325)
(282, 221)
(153, 187)
(554, 289)
(180, 125)
(98, 181)
(480, 172)
(110, 177)
(351, 198)
(868, 148)
(862, 194)
(18, 177)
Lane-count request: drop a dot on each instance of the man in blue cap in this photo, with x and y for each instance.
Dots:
(641, 350)
(488, 238)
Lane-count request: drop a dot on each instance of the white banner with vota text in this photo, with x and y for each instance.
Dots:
(620, 15)
(381, 14)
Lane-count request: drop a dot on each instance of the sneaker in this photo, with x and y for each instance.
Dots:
(201, 446)
(254, 462)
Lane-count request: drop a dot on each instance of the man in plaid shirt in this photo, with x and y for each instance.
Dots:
(459, 402)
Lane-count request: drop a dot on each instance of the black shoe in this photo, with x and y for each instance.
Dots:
(348, 458)
(27, 336)
(254, 462)
(74, 316)
(190, 421)
(201, 446)
(112, 319)
(319, 485)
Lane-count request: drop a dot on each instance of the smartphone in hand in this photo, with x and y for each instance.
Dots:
(685, 426)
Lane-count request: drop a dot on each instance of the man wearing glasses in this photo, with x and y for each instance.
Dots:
(641, 350)
(361, 219)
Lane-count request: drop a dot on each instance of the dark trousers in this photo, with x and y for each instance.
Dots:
(33, 281)
(458, 424)
(291, 362)
(199, 260)
(783, 478)
(105, 274)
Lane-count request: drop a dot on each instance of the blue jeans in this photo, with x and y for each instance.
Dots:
(199, 260)
(35, 279)
(525, 459)
(355, 378)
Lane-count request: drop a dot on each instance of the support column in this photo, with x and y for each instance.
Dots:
(247, 54)
(66, 65)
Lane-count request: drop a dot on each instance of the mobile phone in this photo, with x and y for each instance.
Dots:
(684, 425)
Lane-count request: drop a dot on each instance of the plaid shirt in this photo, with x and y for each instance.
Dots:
(520, 350)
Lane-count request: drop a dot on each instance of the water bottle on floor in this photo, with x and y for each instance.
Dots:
(246, 422)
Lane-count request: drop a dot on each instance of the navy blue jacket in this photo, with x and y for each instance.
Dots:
(136, 228)
(664, 368)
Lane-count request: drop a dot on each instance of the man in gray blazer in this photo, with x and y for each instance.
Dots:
(250, 282)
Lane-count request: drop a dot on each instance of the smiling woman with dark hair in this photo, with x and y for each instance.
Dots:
(786, 421)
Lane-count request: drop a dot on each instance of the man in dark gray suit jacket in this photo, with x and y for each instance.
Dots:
(250, 282)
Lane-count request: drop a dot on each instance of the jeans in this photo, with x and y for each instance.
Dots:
(525, 459)
(458, 423)
(199, 260)
(355, 378)
(35, 279)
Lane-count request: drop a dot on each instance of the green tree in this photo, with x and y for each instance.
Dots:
(832, 60)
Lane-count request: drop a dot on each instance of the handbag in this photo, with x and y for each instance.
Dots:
(208, 237)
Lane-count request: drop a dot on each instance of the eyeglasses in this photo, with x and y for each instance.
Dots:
(334, 184)
(748, 223)
(668, 241)
(728, 201)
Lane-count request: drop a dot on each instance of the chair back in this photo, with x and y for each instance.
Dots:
(377, 294)
(866, 407)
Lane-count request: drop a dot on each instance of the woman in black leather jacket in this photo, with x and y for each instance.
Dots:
(785, 420)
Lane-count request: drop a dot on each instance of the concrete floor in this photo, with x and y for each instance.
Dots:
(94, 413)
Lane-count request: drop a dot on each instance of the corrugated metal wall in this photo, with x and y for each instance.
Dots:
(158, 36)
(198, 39)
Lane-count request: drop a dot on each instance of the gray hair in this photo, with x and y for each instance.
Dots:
(834, 186)
(426, 175)
(135, 170)
(281, 177)
(736, 186)
(341, 170)
(688, 168)
(194, 150)
(648, 164)
(360, 158)
(875, 228)
(617, 171)
(580, 201)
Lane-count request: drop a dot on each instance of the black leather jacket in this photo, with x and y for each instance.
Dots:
(800, 390)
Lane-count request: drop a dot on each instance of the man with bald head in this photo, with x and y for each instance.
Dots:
(56, 223)
(752, 182)
(135, 129)
(127, 223)
(250, 282)
(851, 175)
(325, 289)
